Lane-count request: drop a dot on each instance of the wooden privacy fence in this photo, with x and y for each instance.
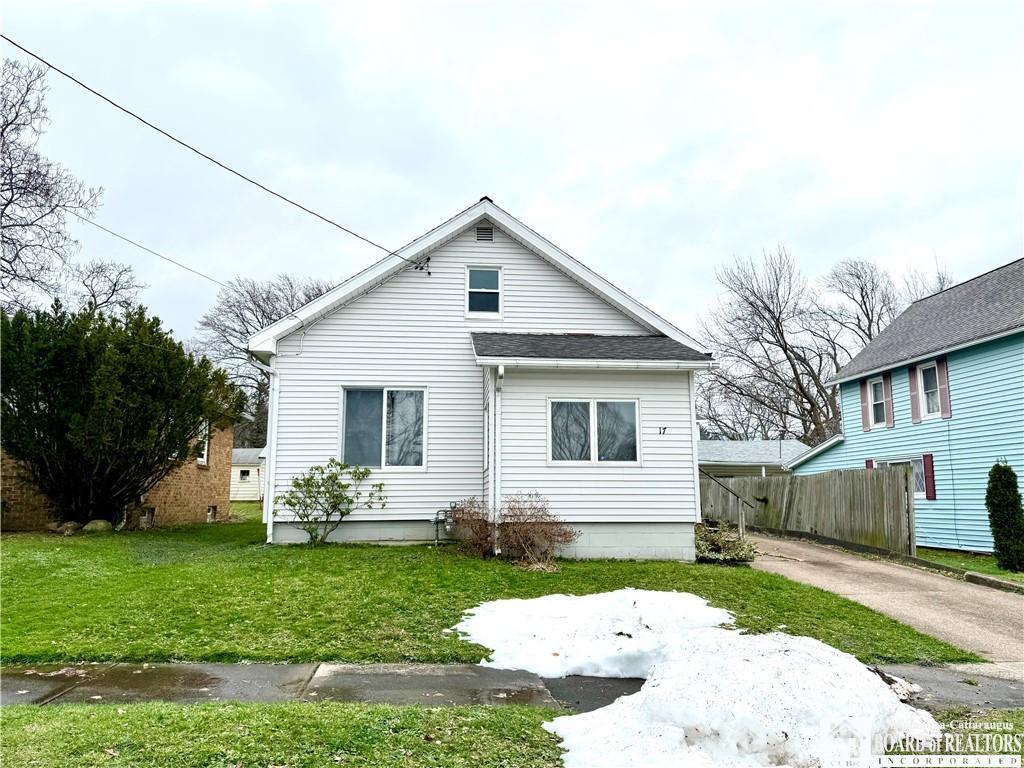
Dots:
(873, 507)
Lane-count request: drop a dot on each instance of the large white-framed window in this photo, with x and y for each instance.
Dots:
(484, 288)
(917, 465)
(928, 390)
(593, 430)
(384, 427)
(203, 457)
(876, 402)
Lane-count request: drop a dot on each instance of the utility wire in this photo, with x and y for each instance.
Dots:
(202, 154)
(149, 250)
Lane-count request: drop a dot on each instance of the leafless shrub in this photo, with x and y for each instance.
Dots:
(526, 530)
(473, 526)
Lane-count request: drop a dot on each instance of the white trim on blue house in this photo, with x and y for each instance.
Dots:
(810, 453)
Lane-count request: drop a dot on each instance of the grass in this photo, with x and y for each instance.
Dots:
(217, 593)
(968, 561)
(289, 734)
(301, 734)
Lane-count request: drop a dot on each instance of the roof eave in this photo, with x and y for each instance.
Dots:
(926, 356)
(810, 453)
(549, 362)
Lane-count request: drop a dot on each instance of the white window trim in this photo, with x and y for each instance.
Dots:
(871, 403)
(385, 468)
(908, 460)
(501, 293)
(203, 459)
(244, 478)
(922, 397)
(593, 460)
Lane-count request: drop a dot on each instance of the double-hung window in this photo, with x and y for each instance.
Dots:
(203, 456)
(929, 388)
(483, 291)
(383, 427)
(876, 402)
(593, 430)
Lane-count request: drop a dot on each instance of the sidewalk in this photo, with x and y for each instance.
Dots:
(434, 685)
(976, 618)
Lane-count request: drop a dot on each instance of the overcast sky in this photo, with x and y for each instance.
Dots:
(652, 142)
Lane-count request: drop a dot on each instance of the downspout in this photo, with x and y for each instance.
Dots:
(268, 493)
(496, 508)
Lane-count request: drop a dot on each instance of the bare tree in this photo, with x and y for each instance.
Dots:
(777, 350)
(104, 285)
(36, 195)
(920, 283)
(243, 308)
(726, 415)
(861, 299)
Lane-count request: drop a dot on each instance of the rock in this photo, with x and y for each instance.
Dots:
(98, 526)
(68, 528)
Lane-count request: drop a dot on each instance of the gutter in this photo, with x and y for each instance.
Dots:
(271, 448)
(547, 362)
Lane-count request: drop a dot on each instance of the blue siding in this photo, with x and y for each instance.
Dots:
(986, 392)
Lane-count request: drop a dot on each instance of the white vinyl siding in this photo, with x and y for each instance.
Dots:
(246, 490)
(659, 487)
(412, 332)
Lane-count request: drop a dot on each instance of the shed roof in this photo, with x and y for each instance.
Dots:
(582, 346)
(245, 455)
(986, 306)
(758, 452)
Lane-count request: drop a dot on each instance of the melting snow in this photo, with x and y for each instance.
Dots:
(713, 696)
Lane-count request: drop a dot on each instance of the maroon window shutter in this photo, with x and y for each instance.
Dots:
(869, 463)
(942, 374)
(929, 476)
(865, 417)
(915, 397)
(887, 395)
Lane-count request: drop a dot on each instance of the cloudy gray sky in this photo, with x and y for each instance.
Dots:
(651, 141)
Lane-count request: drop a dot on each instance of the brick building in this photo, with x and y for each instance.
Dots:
(184, 496)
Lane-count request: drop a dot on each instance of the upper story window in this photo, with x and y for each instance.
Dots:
(383, 427)
(203, 457)
(929, 386)
(876, 402)
(483, 291)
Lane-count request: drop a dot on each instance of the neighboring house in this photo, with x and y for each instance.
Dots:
(941, 389)
(192, 493)
(481, 360)
(246, 474)
(744, 458)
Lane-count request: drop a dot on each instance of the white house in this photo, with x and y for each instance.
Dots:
(246, 474)
(482, 360)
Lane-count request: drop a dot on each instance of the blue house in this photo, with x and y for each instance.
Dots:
(940, 389)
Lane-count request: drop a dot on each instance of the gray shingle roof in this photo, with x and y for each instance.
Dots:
(983, 306)
(582, 346)
(748, 451)
(245, 455)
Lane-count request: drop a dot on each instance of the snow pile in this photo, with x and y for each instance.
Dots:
(611, 634)
(713, 696)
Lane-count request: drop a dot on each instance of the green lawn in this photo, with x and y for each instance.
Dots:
(291, 734)
(300, 734)
(968, 561)
(217, 593)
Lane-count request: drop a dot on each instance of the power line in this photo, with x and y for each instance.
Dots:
(202, 154)
(149, 250)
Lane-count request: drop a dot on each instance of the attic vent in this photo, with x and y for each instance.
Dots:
(485, 234)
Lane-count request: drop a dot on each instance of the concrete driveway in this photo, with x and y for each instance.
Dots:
(980, 619)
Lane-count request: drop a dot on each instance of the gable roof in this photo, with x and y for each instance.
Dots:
(810, 453)
(264, 343)
(985, 307)
(583, 346)
(754, 452)
(246, 455)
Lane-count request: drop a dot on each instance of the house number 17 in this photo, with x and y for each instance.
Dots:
(662, 430)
